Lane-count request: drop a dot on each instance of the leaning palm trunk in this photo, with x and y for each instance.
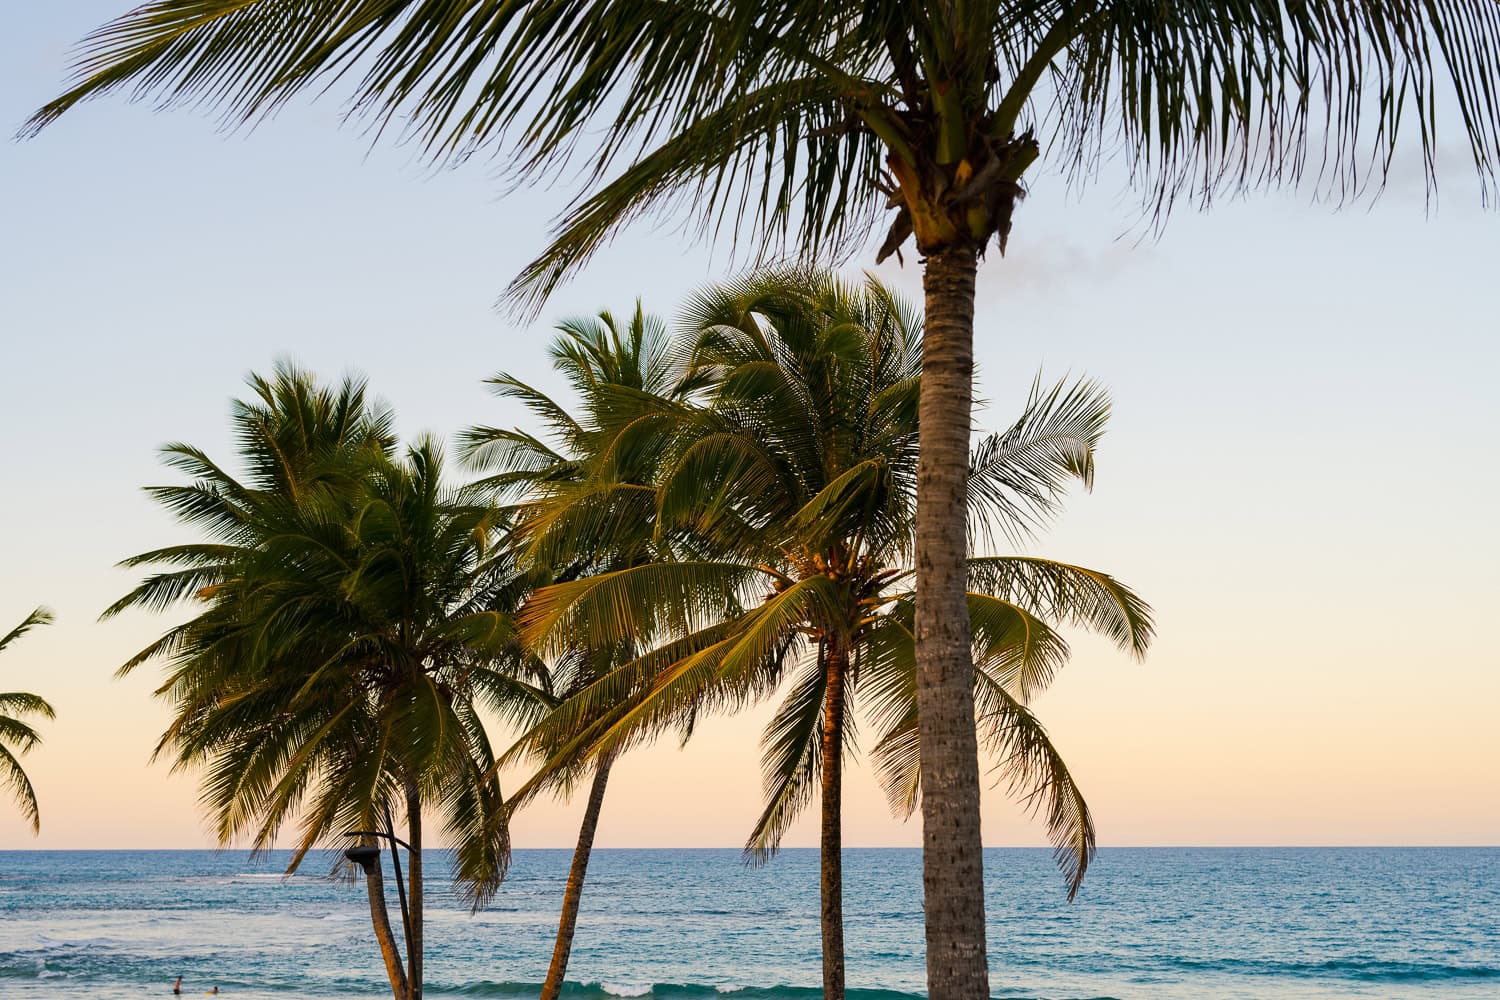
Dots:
(952, 865)
(831, 841)
(573, 895)
(381, 919)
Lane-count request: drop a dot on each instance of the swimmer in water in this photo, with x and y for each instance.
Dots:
(177, 987)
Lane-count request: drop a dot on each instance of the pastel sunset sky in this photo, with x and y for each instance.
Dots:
(1300, 475)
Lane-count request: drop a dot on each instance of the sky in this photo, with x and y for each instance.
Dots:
(1299, 474)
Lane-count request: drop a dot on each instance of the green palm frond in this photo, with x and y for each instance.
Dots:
(722, 667)
(1062, 592)
(777, 122)
(1017, 477)
(1028, 764)
(1036, 774)
(724, 484)
(564, 736)
(635, 604)
(790, 761)
(160, 591)
(1014, 646)
(718, 159)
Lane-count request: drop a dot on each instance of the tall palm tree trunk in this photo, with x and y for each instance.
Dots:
(414, 893)
(831, 841)
(381, 919)
(573, 895)
(952, 865)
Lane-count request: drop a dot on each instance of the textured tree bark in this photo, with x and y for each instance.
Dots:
(414, 883)
(573, 894)
(831, 841)
(952, 865)
(381, 919)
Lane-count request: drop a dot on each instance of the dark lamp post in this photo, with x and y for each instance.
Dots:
(367, 856)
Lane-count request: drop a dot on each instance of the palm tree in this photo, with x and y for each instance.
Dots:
(17, 737)
(351, 631)
(800, 124)
(583, 504)
(788, 509)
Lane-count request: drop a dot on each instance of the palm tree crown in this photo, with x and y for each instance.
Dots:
(811, 120)
(785, 518)
(352, 628)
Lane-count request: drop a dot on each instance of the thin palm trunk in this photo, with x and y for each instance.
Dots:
(414, 883)
(952, 864)
(573, 895)
(390, 831)
(381, 919)
(831, 842)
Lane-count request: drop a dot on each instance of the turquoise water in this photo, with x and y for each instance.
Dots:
(678, 925)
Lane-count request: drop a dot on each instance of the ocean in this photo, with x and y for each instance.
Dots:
(685, 924)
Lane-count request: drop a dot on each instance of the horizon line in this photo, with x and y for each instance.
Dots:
(784, 850)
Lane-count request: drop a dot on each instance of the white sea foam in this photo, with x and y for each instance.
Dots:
(626, 989)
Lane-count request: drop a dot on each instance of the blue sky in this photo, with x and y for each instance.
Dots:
(1300, 473)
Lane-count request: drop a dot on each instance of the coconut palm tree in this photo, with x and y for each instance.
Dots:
(351, 631)
(17, 737)
(583, 504)
(787, 511)
(801, 124)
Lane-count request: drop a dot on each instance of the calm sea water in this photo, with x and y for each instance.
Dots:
(679, 925)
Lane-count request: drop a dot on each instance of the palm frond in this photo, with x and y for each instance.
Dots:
(1017, 477)
(634, 605)
(1029, 765)
(791, 759)
(1062, 592)
(37, 618)
(14, 778)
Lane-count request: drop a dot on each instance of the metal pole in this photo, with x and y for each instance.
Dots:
(390, 825)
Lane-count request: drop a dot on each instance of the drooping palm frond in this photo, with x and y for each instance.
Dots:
(640, 603)
(776, 122)
(720, 160)
(1027, 763)
(17, 736)
(790, 761)
(19, 703)
(725, 665)
(1062, 592)
(13, 777)
(581, 728)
